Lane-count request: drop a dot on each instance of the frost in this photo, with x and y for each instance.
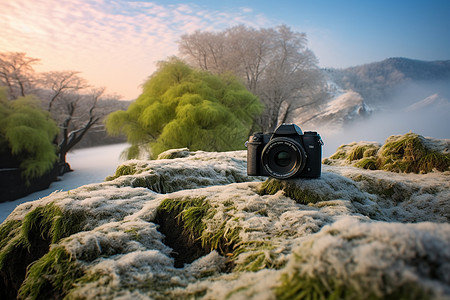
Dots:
(352, 233)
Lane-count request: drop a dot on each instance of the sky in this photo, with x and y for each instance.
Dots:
(116, 44)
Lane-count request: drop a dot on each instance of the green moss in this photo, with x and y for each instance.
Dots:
(401, 153)
(410, 153)
(258, 255)
(223, 238)
(192, 214)
(302, 287)
(8, 230)
(341, 153)
(52, 221)
(29, 239)
(303, 196)
(123, 170)
(189, 212)
(174, 153)
(48, 222)
(362, 151)
(368, 163)
(296, 284)
(52, 276)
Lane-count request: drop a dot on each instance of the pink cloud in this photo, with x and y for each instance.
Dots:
(114, 44)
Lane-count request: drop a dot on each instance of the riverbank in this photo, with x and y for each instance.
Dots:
(90, 165)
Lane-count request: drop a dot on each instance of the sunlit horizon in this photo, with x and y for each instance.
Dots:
(116, 44)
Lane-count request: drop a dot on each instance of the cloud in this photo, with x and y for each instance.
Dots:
(113, 43)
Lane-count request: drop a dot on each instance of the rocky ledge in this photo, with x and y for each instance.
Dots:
(193, 225)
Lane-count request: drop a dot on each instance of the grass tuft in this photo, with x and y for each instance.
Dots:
(123, 170)
(52, 276)
(26, 241)
(303, 196)
(408, 153)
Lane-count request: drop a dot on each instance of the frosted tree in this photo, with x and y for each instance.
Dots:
(274, 63)
(73, 105)
(17, 73)
(182, 107)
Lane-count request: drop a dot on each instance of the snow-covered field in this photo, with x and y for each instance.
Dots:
(352, 233)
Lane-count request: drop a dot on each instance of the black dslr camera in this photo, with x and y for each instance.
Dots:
(286, 153)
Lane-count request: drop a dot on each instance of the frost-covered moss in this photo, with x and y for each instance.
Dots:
(291, 190)
(24, 241)
(347, 234)
(123, 170)
(409, 153)
(52, 276)
(174, 153)
(45, 223)
(413, 153)
(351, 260)
(193, 170)
(190, 214)
(298, 286)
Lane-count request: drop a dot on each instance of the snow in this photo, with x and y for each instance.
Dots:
(375, 232)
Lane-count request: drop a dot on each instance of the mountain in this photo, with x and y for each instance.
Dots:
(372, 101)
(193, 225)
(377, 82)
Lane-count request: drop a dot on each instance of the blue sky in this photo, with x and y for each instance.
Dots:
(116, 43)
(346, 33)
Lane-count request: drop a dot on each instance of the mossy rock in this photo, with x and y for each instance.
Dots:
(280, 239)
(182, 220)
(303, 195)
(412, 153)
(52, 276)
(310, 191)
(355, 151)
(320, 269)
(123, 170)
(408, 153)
(174, 153)
(24, 242)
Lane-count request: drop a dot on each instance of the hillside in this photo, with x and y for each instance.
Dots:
(371, 102)
(193, 225)
(378, 82)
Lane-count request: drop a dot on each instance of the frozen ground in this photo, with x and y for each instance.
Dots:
(351, 234)
(90, 165)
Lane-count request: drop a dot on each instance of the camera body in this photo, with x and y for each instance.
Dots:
(285, 153)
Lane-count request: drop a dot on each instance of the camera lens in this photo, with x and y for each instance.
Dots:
(283, 158)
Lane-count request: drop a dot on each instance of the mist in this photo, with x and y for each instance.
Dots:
(422, 108)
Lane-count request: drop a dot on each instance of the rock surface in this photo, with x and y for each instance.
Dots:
(196, 226)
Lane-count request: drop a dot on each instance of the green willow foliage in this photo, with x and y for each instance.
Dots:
(182, 107)
(27, 132)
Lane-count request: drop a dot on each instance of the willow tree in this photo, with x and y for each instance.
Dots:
(26, 135)
(182, 107)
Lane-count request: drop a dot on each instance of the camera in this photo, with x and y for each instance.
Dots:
(285, 153)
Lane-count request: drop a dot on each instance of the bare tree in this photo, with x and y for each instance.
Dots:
(64, 94)
(17, 73)
(79, 115)
(274, 63)
(60, 83)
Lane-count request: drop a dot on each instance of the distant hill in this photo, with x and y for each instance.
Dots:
(376, 82)
(372, 101)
